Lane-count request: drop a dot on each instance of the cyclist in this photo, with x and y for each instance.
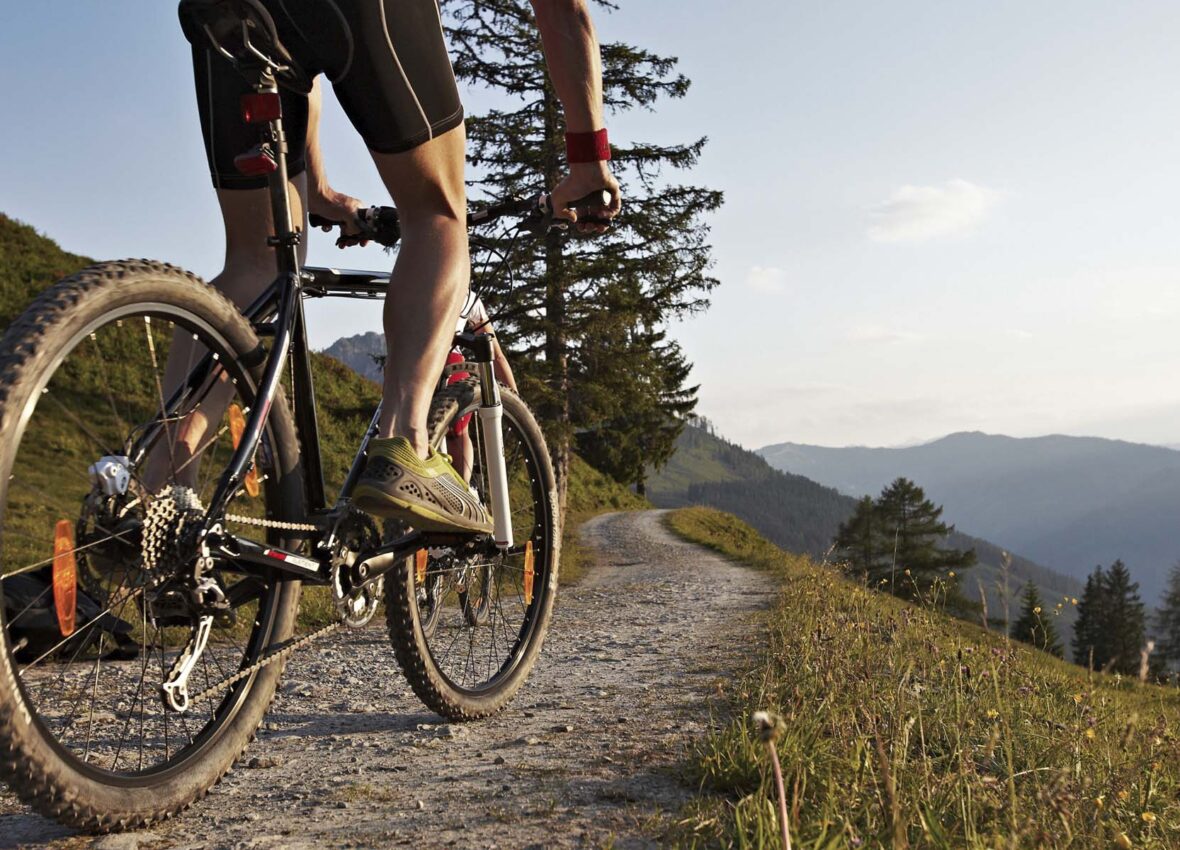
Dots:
(388, 65)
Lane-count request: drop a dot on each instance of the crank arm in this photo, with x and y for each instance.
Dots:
(243, 553)
(175, 689)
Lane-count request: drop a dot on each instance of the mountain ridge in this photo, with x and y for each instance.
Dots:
(1069, 502)
(802, 515)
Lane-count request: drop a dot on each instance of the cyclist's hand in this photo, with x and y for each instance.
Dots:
(583, 179)
(336, 206)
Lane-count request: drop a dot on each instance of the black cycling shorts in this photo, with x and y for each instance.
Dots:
(386, 60)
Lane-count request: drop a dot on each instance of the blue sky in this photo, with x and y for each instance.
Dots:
(940, 216)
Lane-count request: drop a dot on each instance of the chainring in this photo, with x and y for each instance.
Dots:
(356, 606)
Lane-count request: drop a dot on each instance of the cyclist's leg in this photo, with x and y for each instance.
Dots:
(429, 279)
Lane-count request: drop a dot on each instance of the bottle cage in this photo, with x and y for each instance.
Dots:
(244, 32)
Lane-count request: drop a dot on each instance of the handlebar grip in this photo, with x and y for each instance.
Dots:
(597, 198)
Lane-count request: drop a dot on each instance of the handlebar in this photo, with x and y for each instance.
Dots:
(381, 225)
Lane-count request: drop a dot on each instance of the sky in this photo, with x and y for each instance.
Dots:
(939, 216)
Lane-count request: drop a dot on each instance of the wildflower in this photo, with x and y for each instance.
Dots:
(951, 574)
(1077, 698)
(1090, 735)
(1037, 610)
(1100, 801)
(1124, 795)
(907, 572)
(992, 714)
(1073, 600)
(1148, 817)
(1123, 841)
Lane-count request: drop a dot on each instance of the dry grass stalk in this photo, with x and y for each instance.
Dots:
(769, 727)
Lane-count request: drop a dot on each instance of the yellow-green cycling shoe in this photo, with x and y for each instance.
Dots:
(428, 494)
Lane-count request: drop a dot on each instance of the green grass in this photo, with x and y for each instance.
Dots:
(907, 728)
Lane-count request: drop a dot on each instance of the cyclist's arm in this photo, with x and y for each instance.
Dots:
(322, 199)
(575, 68)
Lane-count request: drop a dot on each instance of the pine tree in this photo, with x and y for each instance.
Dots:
(1035, 624)
(892, 543)
(1089, 646)
(912, 525)
(1167, 621)
(641, 409)
(857, 544)
(1125, 632)
(569, 298)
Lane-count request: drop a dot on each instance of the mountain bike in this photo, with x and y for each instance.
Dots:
(164, 580)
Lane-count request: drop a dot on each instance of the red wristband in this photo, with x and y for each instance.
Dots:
(587, 147)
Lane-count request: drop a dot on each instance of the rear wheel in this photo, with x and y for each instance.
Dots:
(84, 734)
(468, 628)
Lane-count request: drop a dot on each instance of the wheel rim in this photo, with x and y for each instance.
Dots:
(476, 644)
(98, 706)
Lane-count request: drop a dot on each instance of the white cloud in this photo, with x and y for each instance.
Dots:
(918, 213)
(766, 279)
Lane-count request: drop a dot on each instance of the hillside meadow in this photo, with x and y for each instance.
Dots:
(903, 727)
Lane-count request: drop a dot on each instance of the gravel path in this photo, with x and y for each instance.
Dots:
(586, 755)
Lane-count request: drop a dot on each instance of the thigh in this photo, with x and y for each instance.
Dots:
(428, 180)
(388, 63)
(225, 134)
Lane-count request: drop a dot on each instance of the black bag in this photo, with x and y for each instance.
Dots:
(31, 614)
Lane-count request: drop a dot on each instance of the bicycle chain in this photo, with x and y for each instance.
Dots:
(271, 523)
(265, 661)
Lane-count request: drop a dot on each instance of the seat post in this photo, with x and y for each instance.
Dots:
(286, 238)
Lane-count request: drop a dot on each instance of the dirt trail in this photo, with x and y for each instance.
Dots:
(586, 754)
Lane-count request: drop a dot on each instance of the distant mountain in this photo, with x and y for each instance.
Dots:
(357, 353)
(1068, 502)
(802, 516)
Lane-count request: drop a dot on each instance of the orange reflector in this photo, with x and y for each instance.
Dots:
(65, 577)
(237, 427)
(420, 558)
(529, 572)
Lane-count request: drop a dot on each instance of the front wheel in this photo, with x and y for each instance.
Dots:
(468, 628)
(87, 632)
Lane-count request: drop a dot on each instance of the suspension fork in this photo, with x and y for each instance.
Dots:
(491, 420)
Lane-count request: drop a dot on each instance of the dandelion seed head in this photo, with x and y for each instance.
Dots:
(768, 725)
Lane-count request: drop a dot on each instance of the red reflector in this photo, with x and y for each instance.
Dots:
(255, 162)
(260, 108)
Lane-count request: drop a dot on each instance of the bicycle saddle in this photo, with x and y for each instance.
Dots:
(244, 32)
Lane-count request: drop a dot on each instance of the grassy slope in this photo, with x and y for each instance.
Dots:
(904, 727)
(802, 516)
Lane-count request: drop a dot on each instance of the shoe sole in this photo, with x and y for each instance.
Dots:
(379, 503)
